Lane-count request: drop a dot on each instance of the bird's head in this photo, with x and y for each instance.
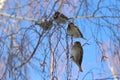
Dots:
(70, 25)
(77, 43)
(56, 14)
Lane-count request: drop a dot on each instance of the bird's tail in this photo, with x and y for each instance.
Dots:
(84, 38)
(80, 69)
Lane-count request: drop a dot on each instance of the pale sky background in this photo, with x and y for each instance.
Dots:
(92, 55)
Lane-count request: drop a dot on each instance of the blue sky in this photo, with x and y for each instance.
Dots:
(93, 28)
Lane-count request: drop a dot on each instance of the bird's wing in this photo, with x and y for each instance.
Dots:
(63, 16)
(81, 55)
(79, 31)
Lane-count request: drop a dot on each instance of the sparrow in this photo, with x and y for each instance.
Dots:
(74, 31)
(60, 18)
(77, 54)
(46, 24)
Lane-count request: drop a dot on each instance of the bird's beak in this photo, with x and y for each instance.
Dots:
(71, 57)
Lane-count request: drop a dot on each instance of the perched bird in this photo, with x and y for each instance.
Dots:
(74, 31)
(46, 25)
(60, 18)
(77, 54)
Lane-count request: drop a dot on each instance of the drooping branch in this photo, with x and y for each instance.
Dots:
(34, 51)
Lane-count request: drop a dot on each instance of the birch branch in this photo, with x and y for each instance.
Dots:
(35, 20)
